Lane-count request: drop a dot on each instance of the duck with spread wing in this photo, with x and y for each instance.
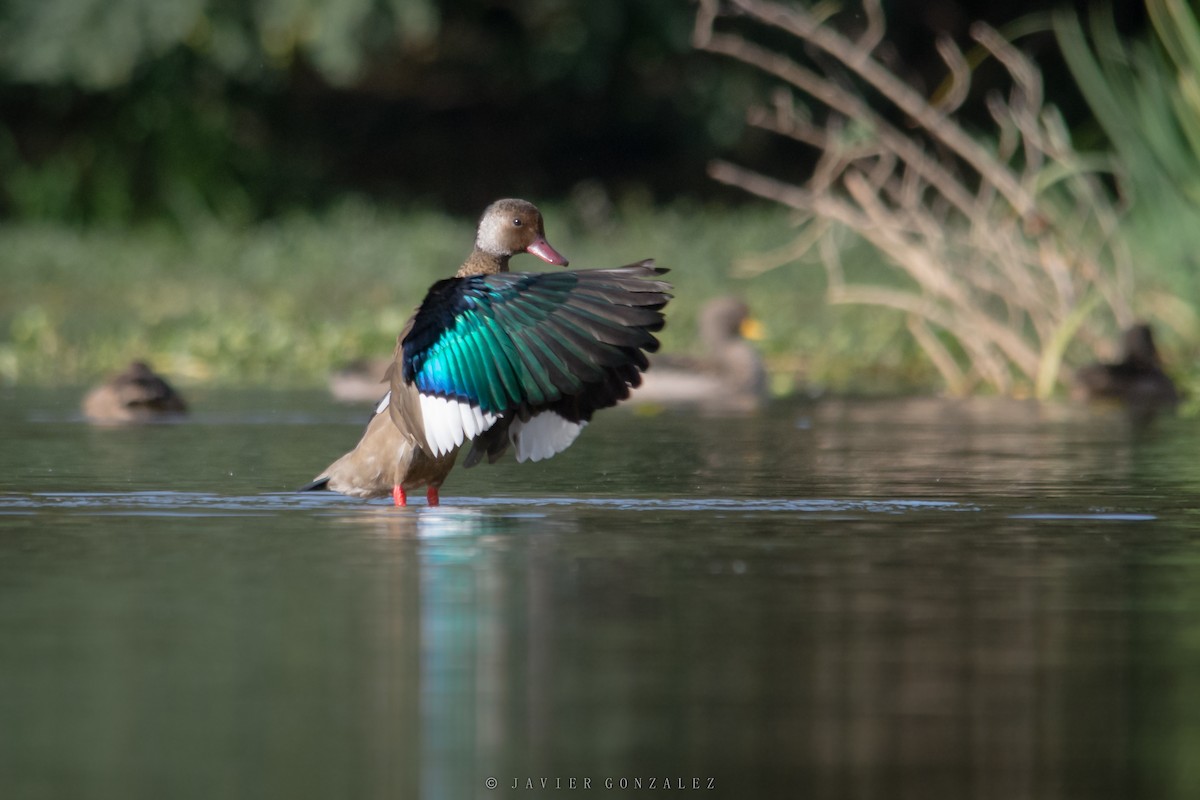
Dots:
(494, 359)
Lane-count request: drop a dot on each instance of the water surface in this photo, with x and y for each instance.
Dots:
(873, 598)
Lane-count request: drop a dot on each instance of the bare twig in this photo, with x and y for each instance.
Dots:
(794, 19)
(1011, 249)
(956, 380)
(960, 76)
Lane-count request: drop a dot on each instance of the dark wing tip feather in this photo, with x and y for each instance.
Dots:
(646, 264)
(319, 485)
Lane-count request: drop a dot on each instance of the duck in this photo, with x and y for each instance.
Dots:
(1138, 378)
(494, 359)
(729, 377)
(136, 394)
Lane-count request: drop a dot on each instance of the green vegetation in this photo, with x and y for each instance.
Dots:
(1145, 95)
(114, 111)
(284, 302)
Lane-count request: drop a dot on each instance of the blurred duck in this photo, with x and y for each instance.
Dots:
(137, 394)
(1138, 378)
(496, 358)
(729, 376)
(360, 381)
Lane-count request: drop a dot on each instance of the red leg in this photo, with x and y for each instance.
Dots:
(431, 494)
(398, 496)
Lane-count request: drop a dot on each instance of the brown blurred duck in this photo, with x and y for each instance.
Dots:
(1138, 378)
(729, 376)
(496, 358)
(137, 394)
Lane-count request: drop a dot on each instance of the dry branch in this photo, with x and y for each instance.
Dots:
(1009, 244)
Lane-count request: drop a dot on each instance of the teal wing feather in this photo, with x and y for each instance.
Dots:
(533, 340)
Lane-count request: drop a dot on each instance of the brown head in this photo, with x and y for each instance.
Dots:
(509, 227)
(1137, 345)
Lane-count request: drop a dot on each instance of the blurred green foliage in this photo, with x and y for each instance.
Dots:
(129, 109)
(1145, 93)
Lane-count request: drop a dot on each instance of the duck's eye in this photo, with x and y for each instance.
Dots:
(516, 222)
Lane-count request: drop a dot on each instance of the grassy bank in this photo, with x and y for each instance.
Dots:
(284, 302)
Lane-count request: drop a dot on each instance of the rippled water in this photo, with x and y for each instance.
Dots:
(843, 599)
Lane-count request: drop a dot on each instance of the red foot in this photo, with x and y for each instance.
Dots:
(398, 496)
(431, 494)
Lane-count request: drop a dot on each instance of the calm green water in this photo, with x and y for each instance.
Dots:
(872, 599)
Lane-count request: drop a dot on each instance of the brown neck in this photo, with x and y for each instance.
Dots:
(481, 263)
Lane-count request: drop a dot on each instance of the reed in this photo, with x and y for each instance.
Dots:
(1007, 246)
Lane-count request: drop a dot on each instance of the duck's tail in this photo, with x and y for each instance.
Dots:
(319, 485)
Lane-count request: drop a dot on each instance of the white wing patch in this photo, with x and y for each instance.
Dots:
(448, 422)
(544, 435)
(383, 404)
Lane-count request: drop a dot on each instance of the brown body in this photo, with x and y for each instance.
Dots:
(392, 451)
(387, 457)
(136, 394)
